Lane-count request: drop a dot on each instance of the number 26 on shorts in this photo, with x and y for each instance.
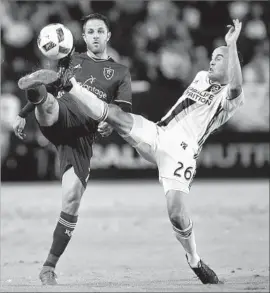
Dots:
(182, 171)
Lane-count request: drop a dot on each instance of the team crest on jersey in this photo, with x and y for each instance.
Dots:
(108, 73)
(214, 88)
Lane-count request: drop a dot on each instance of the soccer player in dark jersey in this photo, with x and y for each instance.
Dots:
(64, 123)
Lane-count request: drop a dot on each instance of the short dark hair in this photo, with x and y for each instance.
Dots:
(95, 16)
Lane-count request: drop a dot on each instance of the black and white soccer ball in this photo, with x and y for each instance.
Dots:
(55, 41)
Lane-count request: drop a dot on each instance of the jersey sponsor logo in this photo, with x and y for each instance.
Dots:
(88, 84)
(108, 72)
(91, 79)
(100, 94)
(202, 97)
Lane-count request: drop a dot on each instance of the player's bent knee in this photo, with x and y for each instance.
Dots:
(178, 220)
(177, 211)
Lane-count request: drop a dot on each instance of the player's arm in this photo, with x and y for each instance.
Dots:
(19, 122)
(124, 93)
(234, 66)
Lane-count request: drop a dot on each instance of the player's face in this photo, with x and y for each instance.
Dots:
(96, 35)
(218, 70)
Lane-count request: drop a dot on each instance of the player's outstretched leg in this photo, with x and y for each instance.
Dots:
(183, 228)
(99, 110)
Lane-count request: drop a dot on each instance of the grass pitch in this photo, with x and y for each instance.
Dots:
(124, 242)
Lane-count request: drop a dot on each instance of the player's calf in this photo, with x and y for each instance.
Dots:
(72, 190)
(72, 194)
(47, 112)
(47, 108)
(177, 210)
(182, 224)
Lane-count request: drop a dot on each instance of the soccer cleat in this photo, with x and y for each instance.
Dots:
(37, 78)
(204, 273)
(48, 276)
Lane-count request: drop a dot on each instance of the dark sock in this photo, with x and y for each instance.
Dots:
(37, 95)
(61, 237)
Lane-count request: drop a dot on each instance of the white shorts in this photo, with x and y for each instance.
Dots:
(172, 154)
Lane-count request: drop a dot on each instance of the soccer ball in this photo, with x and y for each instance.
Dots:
(55, 41)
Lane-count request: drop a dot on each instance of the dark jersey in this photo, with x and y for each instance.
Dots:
(108, 80)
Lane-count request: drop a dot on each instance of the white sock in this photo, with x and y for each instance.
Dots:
(187, 239)
(94, 107)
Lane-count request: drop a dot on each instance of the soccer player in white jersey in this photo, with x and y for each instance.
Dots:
(174, 143)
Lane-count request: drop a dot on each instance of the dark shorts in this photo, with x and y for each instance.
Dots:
(73, 136)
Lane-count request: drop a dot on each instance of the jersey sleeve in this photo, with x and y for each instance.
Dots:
(123, 96)
(229, 104)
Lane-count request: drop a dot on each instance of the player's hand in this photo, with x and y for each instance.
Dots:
(105, 129)
(234, 32)
(18, 127)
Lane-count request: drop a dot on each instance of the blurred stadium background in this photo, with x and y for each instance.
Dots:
(164, 43)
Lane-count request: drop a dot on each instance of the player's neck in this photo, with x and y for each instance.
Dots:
(221, 82)
(102, 55)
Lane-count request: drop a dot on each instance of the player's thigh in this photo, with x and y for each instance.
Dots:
(72, 191)
(143, 137)
(176, 167)
(47, 113)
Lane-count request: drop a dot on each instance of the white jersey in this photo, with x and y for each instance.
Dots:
(203, 107)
